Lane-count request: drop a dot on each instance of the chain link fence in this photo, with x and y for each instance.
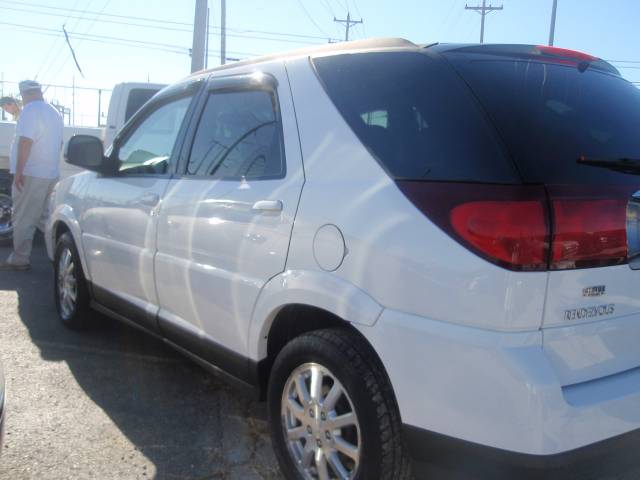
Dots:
(80, 106)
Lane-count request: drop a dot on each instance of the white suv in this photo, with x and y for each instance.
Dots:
(406, 249)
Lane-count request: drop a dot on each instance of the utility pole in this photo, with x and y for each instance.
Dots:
(483, 11)
(348, 23)
(73, 101)
(552, 30)
(223, 32)
(206, 44)
(99, 105)
(199, 32)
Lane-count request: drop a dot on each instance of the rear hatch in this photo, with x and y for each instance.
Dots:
(571, 124)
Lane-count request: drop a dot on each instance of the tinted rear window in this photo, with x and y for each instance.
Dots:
(416, 116)
(137, 98)
(550, 114)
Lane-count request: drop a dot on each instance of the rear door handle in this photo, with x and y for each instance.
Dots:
(267, 206)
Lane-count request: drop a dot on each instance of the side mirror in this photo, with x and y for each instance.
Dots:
(87, 152)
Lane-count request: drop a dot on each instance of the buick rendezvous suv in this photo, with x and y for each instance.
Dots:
(408, 250)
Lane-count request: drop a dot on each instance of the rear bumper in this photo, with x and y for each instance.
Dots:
(496, 389)
(437, 456)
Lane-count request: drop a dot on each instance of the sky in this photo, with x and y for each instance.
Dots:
(149, 40)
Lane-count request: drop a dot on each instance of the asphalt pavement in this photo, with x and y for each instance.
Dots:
(113, 403)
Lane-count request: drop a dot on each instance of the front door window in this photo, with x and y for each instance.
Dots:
(147, 150)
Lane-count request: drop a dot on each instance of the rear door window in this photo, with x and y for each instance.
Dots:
(550, 114)
(239, 137)
(415, 116)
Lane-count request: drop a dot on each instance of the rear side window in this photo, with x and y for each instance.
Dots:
(416, 116)
(239, 136)
(550, 114)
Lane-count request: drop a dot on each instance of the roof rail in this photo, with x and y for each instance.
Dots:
(367, 44)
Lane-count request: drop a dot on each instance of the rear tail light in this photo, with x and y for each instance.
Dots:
(512, 232)
(589, 233)
(530, 228)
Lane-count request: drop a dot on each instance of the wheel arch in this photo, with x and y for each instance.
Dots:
(63, 221)
(324, 291)
(294, 320)
(295, 303)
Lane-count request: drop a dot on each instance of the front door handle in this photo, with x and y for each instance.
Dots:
(267, 206)
(149, 199)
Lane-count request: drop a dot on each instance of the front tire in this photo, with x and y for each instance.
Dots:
(332, 411)
(70, 287)
(6, 226)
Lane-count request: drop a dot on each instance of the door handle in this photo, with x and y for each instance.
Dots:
(267, 206)
(149, 199)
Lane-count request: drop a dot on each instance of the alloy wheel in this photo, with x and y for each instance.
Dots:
(67, 284)
(320, 424)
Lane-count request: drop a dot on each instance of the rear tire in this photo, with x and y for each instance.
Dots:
(365, 443)
(70, 287)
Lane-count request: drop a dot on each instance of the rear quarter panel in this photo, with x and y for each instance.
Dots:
(394, 253)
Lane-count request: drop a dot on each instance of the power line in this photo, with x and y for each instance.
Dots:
(348, 23)
(98, 37)
(452, 8)
(54, 43)
(483, 11)
(364, 30)
(128, 42)
(174, 29)
(155, 20)
(342, 4)
(454, 21)
(60, 50)
(119, 42)
(306, 12)
(103, 39)
(327, 7)
(95, 19)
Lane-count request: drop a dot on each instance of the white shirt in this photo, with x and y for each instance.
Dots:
(41, 123)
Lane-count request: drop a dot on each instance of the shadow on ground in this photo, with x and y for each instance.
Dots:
(187, 423)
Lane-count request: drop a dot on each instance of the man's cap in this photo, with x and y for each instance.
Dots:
(8, 101)
(29, 85)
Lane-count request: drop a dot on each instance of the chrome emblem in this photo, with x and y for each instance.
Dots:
(596, 291)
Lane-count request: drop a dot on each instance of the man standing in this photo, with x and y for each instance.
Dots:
(35, 157)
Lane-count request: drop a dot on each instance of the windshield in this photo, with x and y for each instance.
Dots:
(549, 115)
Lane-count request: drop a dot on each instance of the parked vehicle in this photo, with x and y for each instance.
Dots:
(406, 249)
(126, 99)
